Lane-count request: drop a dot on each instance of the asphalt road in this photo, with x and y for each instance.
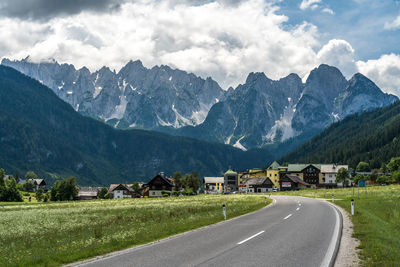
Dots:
(294, 231)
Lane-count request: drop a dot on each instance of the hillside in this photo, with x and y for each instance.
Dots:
(372, 136)
(40, 132)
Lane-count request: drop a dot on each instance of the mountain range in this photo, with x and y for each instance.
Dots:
(257, 113)
(40, 132)
(373, 137)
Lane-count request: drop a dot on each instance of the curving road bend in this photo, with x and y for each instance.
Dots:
(294, 231)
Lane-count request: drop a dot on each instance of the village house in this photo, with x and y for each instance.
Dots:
(257, 185)
(272, 173)
(117, 191)
(88, 193)
(329, 172)
(158, 185)
(213, 185)
(230, 181)
(39, 183)
(309, 173)
(292, 182)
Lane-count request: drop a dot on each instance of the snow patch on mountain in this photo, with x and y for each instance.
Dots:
(119, 110)
(239, 145)
(282, 128)
(97, 91)
(199, 116)
(179, 119)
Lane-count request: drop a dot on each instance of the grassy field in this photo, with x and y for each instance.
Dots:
(376, 220)
(52, 234)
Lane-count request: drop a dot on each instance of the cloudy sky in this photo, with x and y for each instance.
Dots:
(224, 39)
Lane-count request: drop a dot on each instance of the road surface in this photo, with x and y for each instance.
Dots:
(294, 231)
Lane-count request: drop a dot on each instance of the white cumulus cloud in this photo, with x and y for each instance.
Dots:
(313, 4)
(339, 53)
(392, 25)
(225, 39)
(384, 71)
(328, 10)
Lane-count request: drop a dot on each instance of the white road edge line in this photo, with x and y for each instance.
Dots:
(297, 208)
(247, 239)
(330, 256)
(287, 216)
(299, 204)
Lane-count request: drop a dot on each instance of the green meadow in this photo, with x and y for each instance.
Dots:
(376, 220)
(52, 234)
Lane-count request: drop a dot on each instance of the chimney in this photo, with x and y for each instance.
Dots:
(162, 174)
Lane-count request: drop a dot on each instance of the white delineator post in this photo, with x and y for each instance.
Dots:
(224, 211)
(352, 207)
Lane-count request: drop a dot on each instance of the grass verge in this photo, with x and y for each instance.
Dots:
(376, 220)
(52, 234)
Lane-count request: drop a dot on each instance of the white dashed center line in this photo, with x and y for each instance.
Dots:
(297, 208)
(287, 216)
(247, 239)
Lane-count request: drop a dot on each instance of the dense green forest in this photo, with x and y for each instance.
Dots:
(373, 137)
(40, 132)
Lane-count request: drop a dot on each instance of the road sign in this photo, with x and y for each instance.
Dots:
(361, 183)
(286, 184)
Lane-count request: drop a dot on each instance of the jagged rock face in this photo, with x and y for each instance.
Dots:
(361, 94)
(314, 110)
(248, 114)
(260, 111)
(133, 97)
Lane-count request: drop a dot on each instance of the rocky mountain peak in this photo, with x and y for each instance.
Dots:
(256, 76)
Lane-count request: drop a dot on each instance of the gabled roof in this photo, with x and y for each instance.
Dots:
(84, 193)
(39, 182)
(296, 179)
(124, 187)
(274, 166)
(300, 167)
(169, 182)
(257, 181)
(332, 168)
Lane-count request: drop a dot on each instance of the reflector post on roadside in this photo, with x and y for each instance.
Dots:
(352, 207)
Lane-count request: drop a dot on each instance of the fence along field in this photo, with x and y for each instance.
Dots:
(53, 234)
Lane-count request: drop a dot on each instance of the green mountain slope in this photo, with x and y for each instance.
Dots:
(372, 136)
(40, 132)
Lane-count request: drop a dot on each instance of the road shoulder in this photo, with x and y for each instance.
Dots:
(348, 251)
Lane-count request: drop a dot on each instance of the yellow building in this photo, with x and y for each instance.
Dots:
(273, 173)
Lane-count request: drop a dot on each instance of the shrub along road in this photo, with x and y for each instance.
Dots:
(293, 232)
